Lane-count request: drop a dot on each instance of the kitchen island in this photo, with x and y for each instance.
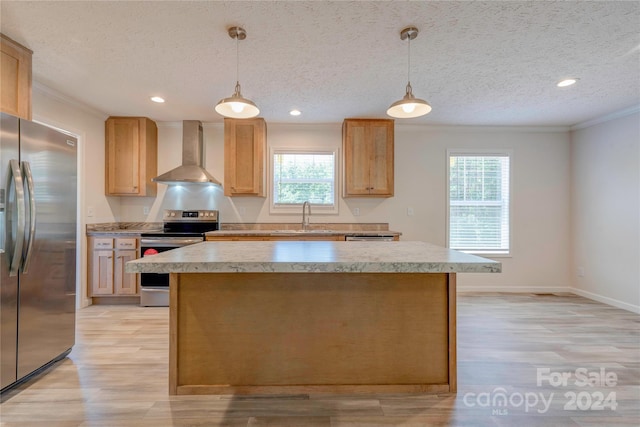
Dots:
(311, 316)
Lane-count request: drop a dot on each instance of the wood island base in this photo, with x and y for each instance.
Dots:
(286, 333)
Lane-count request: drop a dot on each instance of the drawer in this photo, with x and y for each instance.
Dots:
(127, 243)
(103, 243)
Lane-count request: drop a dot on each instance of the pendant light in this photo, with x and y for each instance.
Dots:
(409, 106)
(236, 106)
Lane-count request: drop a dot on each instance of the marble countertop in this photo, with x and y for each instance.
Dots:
(313, 256)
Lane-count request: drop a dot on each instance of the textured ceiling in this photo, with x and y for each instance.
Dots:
(476, 63)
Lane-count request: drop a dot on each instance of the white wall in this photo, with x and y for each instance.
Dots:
(605, 206)
(540, 192)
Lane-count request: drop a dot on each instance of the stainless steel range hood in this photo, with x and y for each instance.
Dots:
(192, 169)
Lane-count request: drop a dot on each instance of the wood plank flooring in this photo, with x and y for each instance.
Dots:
(117, 375)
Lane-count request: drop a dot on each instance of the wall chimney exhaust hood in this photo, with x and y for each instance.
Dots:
(191, 170)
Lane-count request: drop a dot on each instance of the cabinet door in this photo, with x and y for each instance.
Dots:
(368, 157)
(244, 157)
(131, 156)
(356, 159)
(15, 78)
(380, 158)
(125, 283)
(123, 156)
(102, 273)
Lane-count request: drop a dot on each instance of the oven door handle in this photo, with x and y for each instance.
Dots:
(169, 242)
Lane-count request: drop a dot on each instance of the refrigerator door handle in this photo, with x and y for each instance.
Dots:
(15, 179)
(26, 169)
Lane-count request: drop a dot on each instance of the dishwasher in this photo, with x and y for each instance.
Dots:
(369, 238)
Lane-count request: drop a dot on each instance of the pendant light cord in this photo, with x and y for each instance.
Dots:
(409, 67)
(237, 59)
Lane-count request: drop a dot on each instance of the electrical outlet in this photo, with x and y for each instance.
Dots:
(145, 210)
(409, 211)
(580, 271)
(356, 212)
(90, 212)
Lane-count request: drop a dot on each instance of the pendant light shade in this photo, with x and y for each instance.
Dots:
(236, 106)
(409, 106)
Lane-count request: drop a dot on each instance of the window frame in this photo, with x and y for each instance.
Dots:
(470, 152)
(296, 208)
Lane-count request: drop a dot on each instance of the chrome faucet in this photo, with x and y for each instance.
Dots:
(305, 217)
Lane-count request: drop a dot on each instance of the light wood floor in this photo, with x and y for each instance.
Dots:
(116, 374)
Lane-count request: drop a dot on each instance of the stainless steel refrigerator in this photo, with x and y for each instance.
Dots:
(38, 182)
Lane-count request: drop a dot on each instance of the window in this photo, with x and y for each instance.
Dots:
(478, 217)
(299, 175)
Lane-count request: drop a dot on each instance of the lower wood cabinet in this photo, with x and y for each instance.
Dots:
(107, 258)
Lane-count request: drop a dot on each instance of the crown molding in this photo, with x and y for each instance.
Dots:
(608, 117)
(52, 93)
(482, 128)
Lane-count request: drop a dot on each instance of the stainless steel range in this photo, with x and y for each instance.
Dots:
(181, 228)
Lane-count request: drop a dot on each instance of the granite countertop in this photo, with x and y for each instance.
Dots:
(123, 228)
(313, 256)
(310, 232)
(251, 229)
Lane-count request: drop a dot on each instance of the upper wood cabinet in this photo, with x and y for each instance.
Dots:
(15, 78)
(245, 142)
(367, 145)
(132, 156)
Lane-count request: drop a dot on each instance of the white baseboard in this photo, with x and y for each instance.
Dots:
(606, 300)
(515, 290)
(549, 290)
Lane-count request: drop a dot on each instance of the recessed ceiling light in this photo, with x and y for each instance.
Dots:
(157, 99)
(567, 82)
(295, 112)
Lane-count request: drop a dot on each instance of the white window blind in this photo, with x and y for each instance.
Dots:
(298, 177)
(479, 202)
